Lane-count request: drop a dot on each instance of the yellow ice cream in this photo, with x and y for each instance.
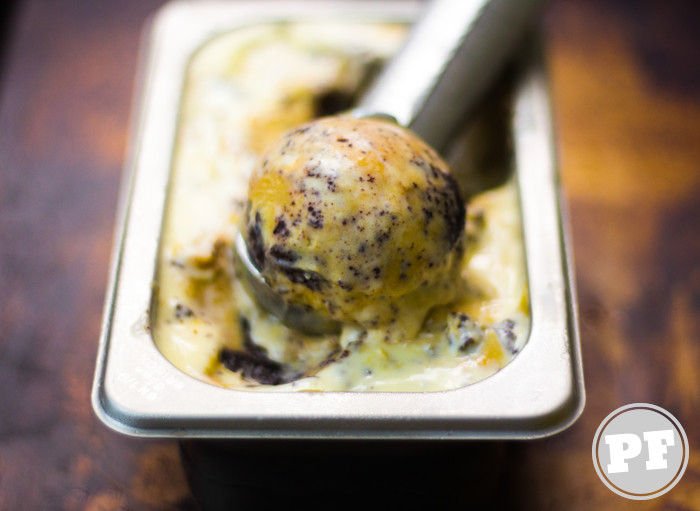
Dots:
(357, 218)
(459, 320)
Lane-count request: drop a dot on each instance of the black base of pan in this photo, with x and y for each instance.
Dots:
(229, 475)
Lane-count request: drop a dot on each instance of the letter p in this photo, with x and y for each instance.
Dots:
(624, 446)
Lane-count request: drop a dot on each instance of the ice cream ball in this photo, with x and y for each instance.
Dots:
(355, 218)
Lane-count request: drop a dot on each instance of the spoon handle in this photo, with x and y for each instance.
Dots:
(448, 62)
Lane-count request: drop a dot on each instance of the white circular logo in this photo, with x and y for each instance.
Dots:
(640, 451)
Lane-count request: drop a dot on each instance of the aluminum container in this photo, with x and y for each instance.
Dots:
(138, 392)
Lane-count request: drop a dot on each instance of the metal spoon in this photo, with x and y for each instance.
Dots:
(294, 316)
(451, 57)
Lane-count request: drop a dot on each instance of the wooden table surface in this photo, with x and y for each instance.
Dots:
(627, 102)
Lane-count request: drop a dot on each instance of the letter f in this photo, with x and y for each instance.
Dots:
(658, 442)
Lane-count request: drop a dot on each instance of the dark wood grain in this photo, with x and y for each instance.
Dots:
(627, 103)
(63, 126)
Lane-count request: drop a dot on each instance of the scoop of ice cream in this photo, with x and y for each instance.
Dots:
(356, 218)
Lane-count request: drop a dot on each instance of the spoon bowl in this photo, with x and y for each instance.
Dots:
(294, 316)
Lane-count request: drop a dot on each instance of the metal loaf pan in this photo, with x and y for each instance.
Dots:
(138, 392)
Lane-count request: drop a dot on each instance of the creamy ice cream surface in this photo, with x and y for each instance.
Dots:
(356, 218)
